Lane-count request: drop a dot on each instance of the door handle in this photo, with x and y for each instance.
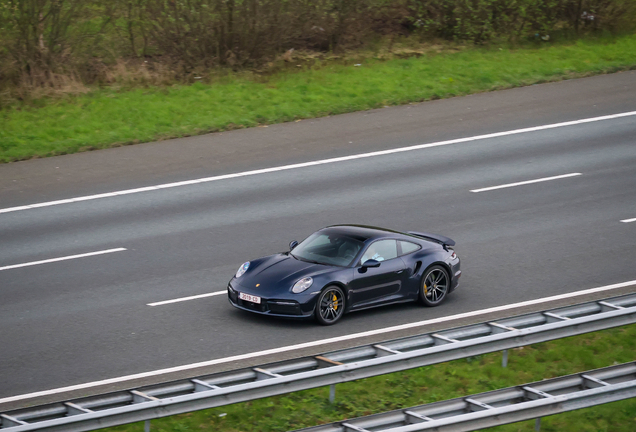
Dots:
(399, 271)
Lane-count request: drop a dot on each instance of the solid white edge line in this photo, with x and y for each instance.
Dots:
(70, 257)
(316, 343)
(628, 220)
(194, 297)
(526, 182)
(320, 162)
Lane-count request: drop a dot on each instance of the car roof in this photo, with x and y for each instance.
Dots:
(365, 233)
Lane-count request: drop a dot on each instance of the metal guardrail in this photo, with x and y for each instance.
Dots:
(509, 405)
(241, 385)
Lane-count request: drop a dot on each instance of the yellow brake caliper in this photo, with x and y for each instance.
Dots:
(335, 302)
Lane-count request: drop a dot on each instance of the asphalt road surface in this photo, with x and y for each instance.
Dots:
(87, 318)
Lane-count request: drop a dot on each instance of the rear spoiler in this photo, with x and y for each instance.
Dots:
(444, 241)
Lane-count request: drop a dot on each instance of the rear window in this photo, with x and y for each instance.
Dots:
(408, 247)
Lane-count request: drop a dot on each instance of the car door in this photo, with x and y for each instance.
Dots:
(371, 285)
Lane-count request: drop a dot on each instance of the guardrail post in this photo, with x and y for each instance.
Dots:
(147, 426)
(332, 393)
(504, 359)
(537, 424)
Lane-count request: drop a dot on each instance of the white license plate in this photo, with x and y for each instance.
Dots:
(250, 298)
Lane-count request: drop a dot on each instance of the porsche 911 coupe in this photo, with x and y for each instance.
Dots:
(345, 268)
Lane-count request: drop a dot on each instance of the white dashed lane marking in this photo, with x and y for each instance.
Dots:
(64, 258)
(527, 182)
(194, 297)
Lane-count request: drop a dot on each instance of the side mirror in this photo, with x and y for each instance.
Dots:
(371, 263)
(293, 244)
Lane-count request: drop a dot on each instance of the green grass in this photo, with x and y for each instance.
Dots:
(434, 383)
(106, 118)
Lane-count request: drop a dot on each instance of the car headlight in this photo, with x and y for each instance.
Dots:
(302, 285)
(242, 269)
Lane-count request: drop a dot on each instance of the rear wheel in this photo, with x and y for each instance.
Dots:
(330, 306)
(434, 286)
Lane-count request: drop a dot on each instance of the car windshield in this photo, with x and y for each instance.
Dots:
(328, 248)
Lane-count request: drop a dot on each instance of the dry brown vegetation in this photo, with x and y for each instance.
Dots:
(50, 47)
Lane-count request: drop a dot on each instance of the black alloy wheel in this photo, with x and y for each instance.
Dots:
(435, 284)
(330, 306)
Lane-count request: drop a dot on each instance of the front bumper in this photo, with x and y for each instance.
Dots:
(272, 306)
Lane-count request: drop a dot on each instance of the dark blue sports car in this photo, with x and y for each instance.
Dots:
(346, 268)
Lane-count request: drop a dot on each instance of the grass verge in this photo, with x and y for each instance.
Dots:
(434, 383)
(106, 117)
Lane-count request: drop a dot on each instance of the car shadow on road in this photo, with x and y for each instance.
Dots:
(358, 321)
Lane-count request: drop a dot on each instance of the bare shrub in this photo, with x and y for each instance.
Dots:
(56, 46)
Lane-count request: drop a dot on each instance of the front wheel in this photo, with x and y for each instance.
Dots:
(330, 306)
(434, 286)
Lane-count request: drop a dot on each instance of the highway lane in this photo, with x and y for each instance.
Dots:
(241, 150)
(85, 319)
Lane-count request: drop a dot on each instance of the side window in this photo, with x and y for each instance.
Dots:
(381, 251)
(408, 247)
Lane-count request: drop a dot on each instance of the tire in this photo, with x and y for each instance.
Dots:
(434, 286)
(330, 306)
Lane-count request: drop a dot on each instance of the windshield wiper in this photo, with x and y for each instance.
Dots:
(307, 260)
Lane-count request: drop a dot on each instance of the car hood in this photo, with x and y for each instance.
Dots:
(277, 274)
